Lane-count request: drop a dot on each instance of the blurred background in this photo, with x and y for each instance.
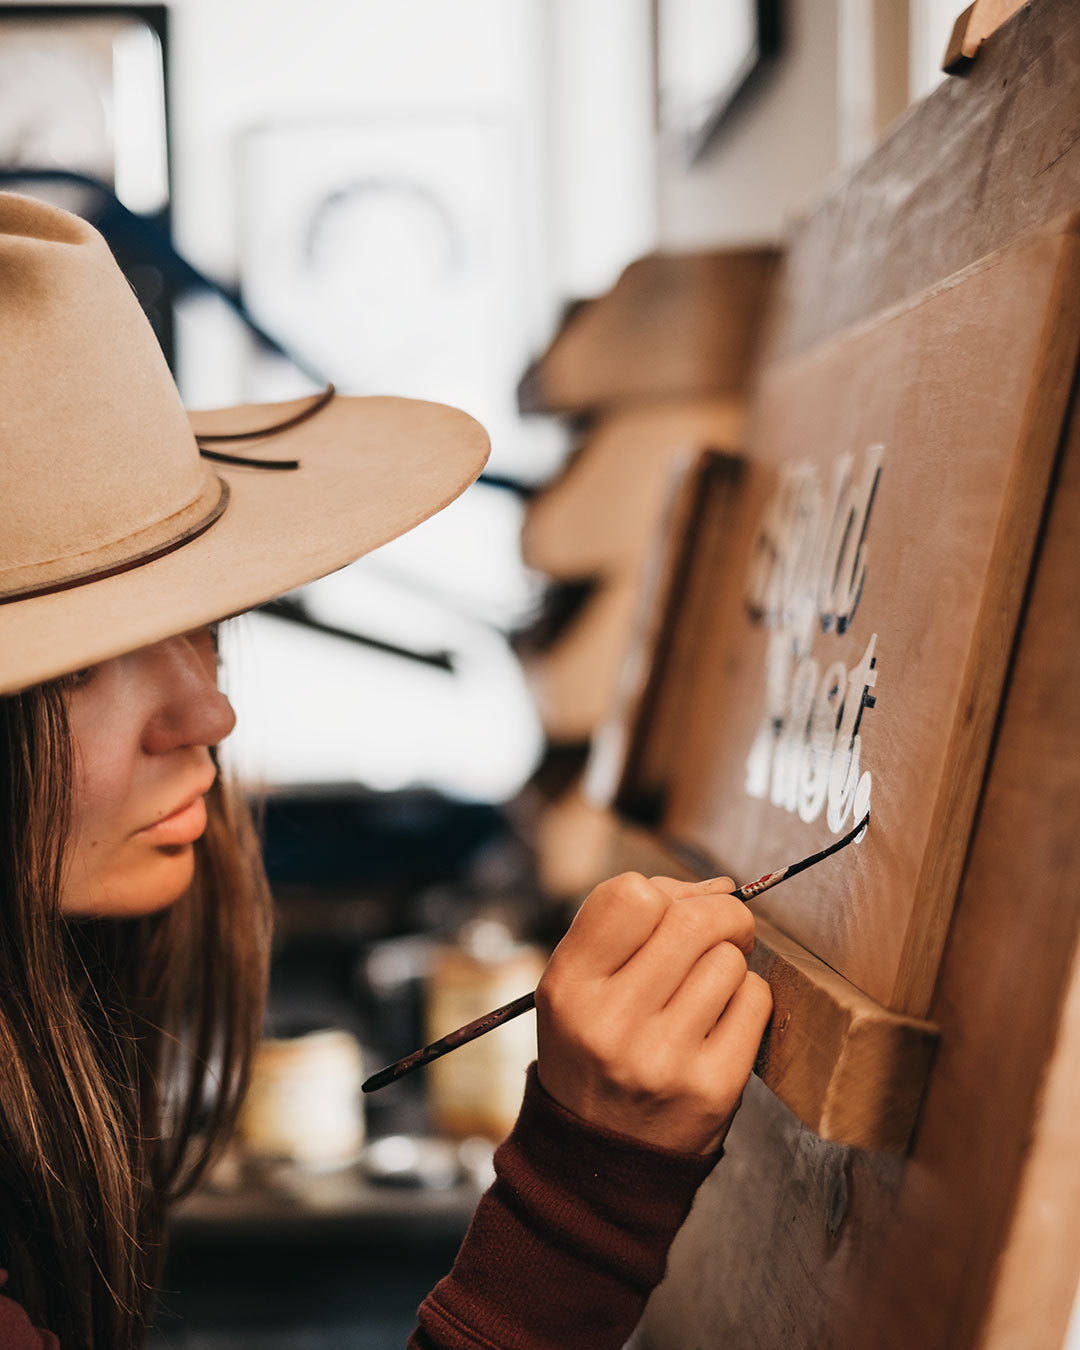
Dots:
(562, 216)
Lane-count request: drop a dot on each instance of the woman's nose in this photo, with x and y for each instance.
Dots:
(189, 708)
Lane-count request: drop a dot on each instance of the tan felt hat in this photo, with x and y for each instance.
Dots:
(123, 519)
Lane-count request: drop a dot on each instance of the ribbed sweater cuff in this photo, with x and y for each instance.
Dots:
(568, 1243)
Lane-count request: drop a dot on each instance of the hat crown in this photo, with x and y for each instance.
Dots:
(98, 463)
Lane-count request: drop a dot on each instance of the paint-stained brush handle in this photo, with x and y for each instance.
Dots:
(770, 879)
(489, 1021)
(451, 1041)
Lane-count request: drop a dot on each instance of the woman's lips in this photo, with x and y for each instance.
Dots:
(183, 826)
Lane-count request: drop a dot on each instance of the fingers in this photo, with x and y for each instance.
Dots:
(648, 1022)
(687, 930)
(617, 919)
(699, 1002)
(733, 1043)
(684, 890)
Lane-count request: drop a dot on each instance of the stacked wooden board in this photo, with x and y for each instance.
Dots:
(650, 375)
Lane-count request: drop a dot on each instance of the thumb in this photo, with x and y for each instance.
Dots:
(687, 890)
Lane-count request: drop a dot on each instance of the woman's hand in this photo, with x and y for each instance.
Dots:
(648, 1021)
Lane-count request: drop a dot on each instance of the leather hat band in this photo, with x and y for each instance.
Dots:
(158, 550)
(192, 529)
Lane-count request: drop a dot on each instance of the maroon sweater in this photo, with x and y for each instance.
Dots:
(562, 1252)
(566, 1246)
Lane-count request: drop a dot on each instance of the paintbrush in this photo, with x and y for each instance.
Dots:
(463, 1035)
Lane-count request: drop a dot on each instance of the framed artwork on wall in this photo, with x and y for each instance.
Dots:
(707, 56)
(83, 96)
(392, 251)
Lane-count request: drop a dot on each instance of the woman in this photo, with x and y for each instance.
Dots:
(134, 917)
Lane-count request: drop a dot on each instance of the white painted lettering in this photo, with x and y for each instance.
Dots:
(807, 572)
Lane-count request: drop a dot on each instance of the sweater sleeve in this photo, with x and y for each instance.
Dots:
(16, 1333)
(568, 1243)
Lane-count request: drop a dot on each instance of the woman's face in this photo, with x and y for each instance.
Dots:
(143, 724)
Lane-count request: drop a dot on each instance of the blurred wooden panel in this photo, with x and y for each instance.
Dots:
(674, 325)
(574, 845)
(986, 157)
(574, 679)
(856, 642)
(641, 752)
(603, 515)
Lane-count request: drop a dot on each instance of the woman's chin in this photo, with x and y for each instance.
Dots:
(156, 884)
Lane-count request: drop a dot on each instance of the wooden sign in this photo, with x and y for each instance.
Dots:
(850, 655)
(675, 325)
(971, 1240)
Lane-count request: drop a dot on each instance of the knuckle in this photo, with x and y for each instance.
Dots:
(730, 960)
(631, 888)
(627, 886)
(603, 893)
(619, 894)
(657, 1075)
(560, 999)
(694, 920)
(549, 992)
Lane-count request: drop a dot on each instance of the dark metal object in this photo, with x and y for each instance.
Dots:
(295, 612)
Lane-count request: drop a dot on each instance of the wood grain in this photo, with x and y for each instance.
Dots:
(674, 325)
(849, 1069)
(963, 391)
(985, 158)
(970, 1242)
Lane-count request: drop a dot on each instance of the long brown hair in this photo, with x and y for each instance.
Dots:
(125, 1045)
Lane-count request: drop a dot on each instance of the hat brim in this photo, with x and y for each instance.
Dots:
(370, 469)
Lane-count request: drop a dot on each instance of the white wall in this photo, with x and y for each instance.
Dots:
(237, 64)
(817, 112)
(601, 169)
(774, 153)
(931, 26)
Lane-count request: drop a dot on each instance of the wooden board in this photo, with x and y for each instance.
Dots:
(639, 753)
(603, 519)
(674, 325)
(602, 515)
(971, 1242)
(987, 157)
(574, 679)
(855, 649)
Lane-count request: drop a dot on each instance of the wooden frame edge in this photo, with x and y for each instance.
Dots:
(851, 1070)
